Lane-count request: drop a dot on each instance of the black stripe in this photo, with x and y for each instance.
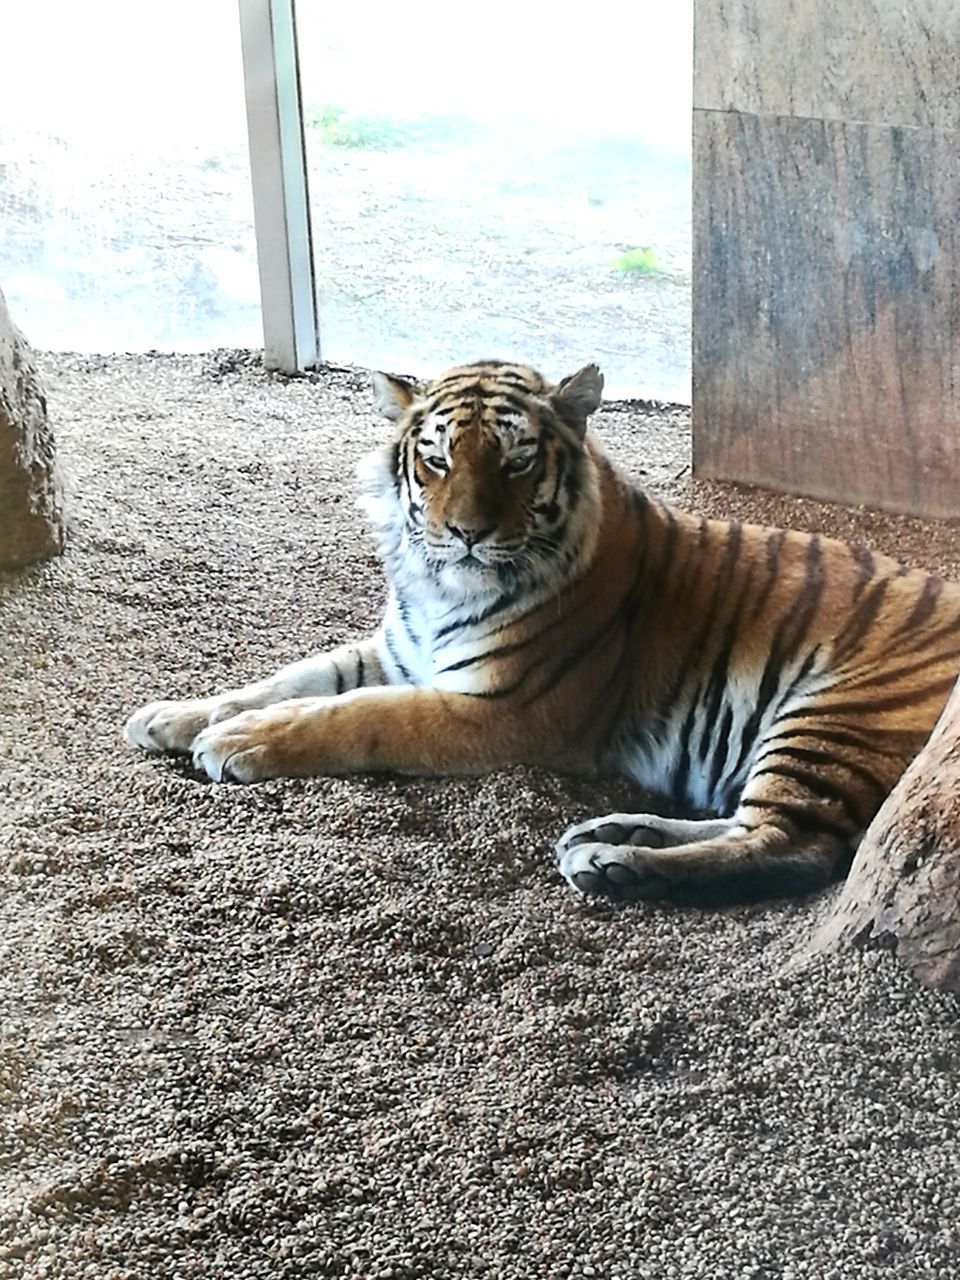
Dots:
(827, 759)
(468, 382)
(681, 774)
(721, 748)
(513, 400)
(924, 605)
(805, 821)
(621, 617)
(514, 647)
(859, 623)
(866, 566)
(818, 785)
(504, 602)
(560, 462)
(392, 650)
(596, 640)
(644, 588)
(439, 410)
(869, 744)
(774, 547)
(719, 672)
(870, 705)
(361, 670)
(874, 679)
(717, 687)
(928, 642)
(654, 592)
(403, 609)
(572, 479)
(689, 571)
(793, 687)
(805, 668)
(405, 469)
(606, 728)
(340, 685)
(663, 565)
(503, 691)
(543, 442)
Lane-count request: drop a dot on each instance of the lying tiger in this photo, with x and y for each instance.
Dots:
(543, 610)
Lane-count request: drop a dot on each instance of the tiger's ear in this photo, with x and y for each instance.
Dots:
(576, 397)
(393, 396)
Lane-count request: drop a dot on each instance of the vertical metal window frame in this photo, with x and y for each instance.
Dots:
(278, 169)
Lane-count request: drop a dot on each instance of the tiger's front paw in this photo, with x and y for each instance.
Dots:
(246, 748)
(167, 726)
(620, 873)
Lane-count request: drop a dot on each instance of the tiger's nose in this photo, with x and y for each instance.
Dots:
(469, 536)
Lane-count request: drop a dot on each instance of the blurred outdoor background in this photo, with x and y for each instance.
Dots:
(502, 182)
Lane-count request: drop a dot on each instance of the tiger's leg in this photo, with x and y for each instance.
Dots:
(404, 729)
(744, 864)
(173, 725)
(791, 832)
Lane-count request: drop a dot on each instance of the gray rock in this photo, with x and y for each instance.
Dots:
(31, 495)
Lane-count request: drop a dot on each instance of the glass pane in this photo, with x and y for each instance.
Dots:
(126, 216)
(508, 184)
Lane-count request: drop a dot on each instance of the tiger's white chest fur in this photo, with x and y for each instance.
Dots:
(426, 641)
(413, 651)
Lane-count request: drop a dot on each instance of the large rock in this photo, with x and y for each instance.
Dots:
(31, 496)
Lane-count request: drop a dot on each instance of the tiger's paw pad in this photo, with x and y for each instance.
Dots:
(640, 830)
(606, 871)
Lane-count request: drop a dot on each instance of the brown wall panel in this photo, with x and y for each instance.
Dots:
(826, 309)
(867, 61)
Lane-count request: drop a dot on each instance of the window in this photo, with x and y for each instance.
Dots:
(125, 204)
(502, 182)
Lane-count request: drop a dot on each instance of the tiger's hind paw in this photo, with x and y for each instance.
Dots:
(610, 871)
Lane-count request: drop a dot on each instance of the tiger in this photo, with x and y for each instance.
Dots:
(767, 686)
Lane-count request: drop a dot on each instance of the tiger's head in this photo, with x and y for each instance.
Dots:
(487, 485)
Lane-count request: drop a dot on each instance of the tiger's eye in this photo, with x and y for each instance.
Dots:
(435, 463)
(520, 465)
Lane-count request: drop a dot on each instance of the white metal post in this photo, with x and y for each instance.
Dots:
(281, 204)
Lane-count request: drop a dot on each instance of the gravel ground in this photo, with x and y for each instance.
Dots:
(358, 1028)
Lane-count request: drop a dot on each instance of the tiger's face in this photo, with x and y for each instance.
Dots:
(488, 472)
